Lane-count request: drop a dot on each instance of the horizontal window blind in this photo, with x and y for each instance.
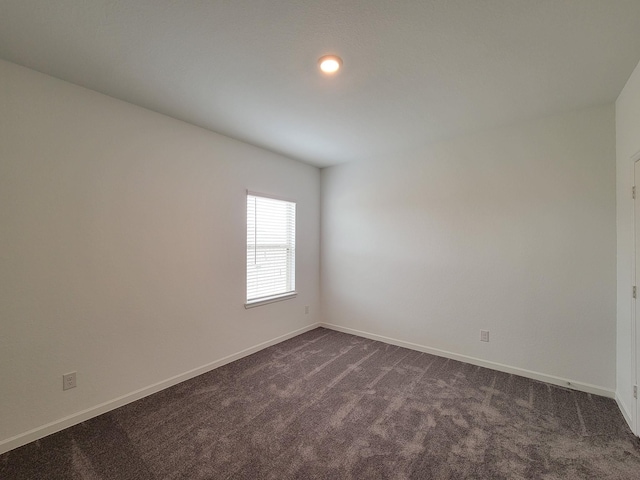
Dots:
(271, 243)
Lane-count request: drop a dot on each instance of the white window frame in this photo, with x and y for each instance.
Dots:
(288, 291)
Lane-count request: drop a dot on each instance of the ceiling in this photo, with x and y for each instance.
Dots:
(415, 71)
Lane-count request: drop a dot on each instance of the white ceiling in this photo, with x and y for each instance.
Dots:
(415, 71)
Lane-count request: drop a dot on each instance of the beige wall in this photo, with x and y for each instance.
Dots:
(510, 230)
(122, 248)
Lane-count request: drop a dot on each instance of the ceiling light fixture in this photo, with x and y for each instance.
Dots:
(330, 64)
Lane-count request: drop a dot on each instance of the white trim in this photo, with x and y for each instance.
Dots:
(625, 412)
(265, 300)
(53, 427)
(563, 382)
(634, 314)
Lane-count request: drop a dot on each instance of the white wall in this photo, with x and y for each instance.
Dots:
(627, 150)
(511, 230)
(122, 248)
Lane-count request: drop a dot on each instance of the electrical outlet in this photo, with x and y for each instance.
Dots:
(484, 335)
(306, 309)
(69, 381)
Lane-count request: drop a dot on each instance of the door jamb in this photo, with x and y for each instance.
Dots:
(635, 344)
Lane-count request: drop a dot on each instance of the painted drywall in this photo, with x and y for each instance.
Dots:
(122, 247)
(627, 151)
(510, 230)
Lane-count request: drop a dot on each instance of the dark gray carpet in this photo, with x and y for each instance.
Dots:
(326, 405)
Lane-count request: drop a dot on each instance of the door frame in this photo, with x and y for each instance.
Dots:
(635, 330)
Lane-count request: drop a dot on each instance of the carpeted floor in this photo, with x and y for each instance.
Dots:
(326, 405)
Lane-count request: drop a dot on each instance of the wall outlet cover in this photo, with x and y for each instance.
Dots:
(69, 381)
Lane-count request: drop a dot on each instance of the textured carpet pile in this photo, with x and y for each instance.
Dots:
(326, 405)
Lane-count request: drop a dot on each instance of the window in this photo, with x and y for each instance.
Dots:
(271, 249)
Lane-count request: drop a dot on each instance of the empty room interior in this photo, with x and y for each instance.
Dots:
(319, 239)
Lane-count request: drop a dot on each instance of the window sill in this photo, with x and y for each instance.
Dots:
(266, 300)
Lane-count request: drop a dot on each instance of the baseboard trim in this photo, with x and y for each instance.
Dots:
(563, 382)
(79, 417)
(625, 413)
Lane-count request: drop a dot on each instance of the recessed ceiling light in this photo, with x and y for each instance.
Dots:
(330, 63)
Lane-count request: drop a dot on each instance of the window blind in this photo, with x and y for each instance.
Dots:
(271, 242)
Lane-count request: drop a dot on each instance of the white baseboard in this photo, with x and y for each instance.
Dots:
(61, 424)
(625, 413)
(563, 382)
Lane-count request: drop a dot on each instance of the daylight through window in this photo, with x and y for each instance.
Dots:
(271, 244)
